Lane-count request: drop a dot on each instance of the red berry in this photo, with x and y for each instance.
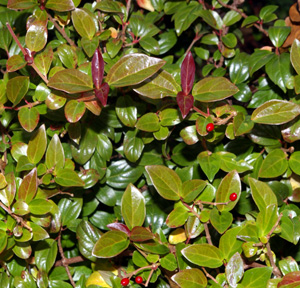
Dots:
(233, 196)
(124, 281)
(138, 280)
(210, 127)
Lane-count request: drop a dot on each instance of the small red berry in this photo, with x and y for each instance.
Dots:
(210, 127)
(138, 280)
(233, 196)
(124, 281)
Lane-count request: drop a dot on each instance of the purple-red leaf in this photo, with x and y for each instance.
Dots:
(185, 103)
(187, 73)
(102, 93)
(97, 69)
(119, 227)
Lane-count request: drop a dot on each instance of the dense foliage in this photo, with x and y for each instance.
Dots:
(149, 143)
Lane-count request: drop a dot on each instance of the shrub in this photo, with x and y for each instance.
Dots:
(149, 143)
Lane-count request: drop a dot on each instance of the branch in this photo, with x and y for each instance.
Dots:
(63, 260)
(69, 261)
(261, 29)
(61, 31)
(274, 227)
(276, 271)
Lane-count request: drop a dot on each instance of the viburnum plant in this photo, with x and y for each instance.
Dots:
(149, 144)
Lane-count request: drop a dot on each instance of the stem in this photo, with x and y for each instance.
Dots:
(243, 15)
(63, 260)
(124, 24)
(197, 37)
(206, 229)
(212, 203)
(200, 112)
(276, 271)
(17, 218)
(39, 73)
(61, 31)
(69, 261)
(274, 227)
(208, 275)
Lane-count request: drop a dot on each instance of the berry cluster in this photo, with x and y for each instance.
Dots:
(138, 280)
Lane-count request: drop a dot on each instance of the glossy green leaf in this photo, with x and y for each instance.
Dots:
(166, 181)
(160, 85)
(221, 221)
(140, 234)
(126, 111)
(67, 56)
(132, 69)
(133, 146)
(148, 122)
(266, 219)
(204, 255)
(209, 163)
(21, 4)
(190, 278)
(45, 254)
(234, 269)
(295, 54)
(275, 112)
(213, 89)
(231, 183)
(28, 118)
(191, 189)
(37, 145)
(68, 178)
(83, 23)
(89, 46)
(36, 36)
(262, 194)
(110, 244)
(274, 165)
(259, 59)
(87, 236)
(288, 265)
(256, 277)
(278, 34)
(40, 206)
(169, 262)
(17, 88)
(55, 157)
(71, 81)
(74, 110)
(28, 187)
(177, 217)
(60, 5)
(133, 207)
(212, 18)
(44, 59)
(229, 244)
(15, 63)
(69, 210)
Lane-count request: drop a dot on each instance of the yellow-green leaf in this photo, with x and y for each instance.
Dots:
(37, 145)
(17, 88)
(83, 23)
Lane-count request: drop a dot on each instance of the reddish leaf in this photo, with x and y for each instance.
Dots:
(140, 234)
(187, 73)
(185, 103)
(102, 93)
(292, 277)
(119, 227)
(97, 69)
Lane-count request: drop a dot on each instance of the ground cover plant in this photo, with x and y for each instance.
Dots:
(149, 144)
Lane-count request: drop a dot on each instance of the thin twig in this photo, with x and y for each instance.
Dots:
(63, 260)
(209, 276)
(274, 227)
(61, 31)
(276, 271)
(69, 261)
(200, 112)
(206, 229)
(261, 29)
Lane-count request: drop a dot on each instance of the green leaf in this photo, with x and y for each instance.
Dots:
(74, 110)
(231, 17)
(166, 181)
(279, 69)
(67, 56)
(55, 156)
(87, 236)
(213, 89)
(239, 68)
(274, 165)
(7, 194)
(294, 162)
(69, 210)
(148, 122)
(28, 118)
(140, 234)
(138, 259)
(190, 278)
(126, 111)
(44, 59)
(295, 55)
(36, 36)
(209, 163)
(21, 4)
(15, 63)
(262, 194)
(203, 255)
(133, 146)
(109, 6)
(111, 244)
(231, 183)
(259, 59)
(161, 84)
(177, 217)
(234, 269)
(28, 187)
(275, 112)
(191, 189)
(37, 145)
(266, 219)
(16, 89)
(278, 35)
(71, 81)
(83, 23)
(288, 265)
(38, 232)
(212, 18)
(290, 229)
(169, 262)
(60, 5)
(40, 206)
(133, 207)
(45, 254)
(89, 46)
(133, 69)
(68, 178)
(221, 221)
(256, 277)
(242, 124)
(229, 244)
